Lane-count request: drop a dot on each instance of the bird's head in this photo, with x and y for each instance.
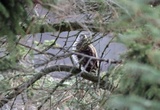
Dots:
(84, 39)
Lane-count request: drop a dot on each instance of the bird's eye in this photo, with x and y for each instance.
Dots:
(82, 36)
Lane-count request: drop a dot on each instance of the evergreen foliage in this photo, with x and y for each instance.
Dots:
(136, 80)
(139, 85)
(12, 16)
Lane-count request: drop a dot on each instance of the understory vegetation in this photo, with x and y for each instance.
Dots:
(36, 71)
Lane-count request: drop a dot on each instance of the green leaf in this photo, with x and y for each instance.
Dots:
(4, 11)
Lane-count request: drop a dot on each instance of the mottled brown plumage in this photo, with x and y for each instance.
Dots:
(87, 49)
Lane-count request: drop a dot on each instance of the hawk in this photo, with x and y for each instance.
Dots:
(83, 46)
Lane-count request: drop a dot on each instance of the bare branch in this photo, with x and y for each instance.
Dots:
(67, 26)
(73, 70)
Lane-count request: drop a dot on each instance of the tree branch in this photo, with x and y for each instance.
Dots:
(73, 70)
(66, 26)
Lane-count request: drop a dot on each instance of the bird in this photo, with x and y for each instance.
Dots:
(82, 45)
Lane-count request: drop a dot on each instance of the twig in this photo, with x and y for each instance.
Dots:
(73, 70)
(54, 89)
